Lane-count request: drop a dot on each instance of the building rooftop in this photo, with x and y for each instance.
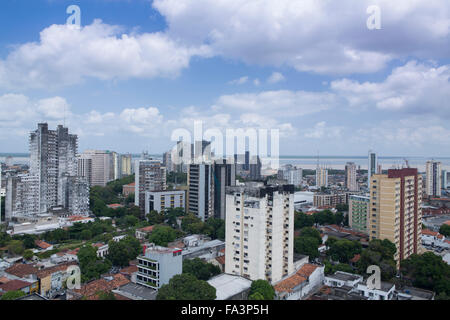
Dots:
(135, 291)
(416, 293)
(14, 285)
(228, 285)
(344, 276)
(22, 270)
(42, 244)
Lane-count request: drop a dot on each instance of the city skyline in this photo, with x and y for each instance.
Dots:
(366, 89)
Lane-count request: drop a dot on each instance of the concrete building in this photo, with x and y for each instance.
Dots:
(255, 168)
(201, 190)
(395, 210)
(230, 287)
(52, 179)
(444, 179)
(97, 166)
(372, 166)
(321, 177)
(167, 161)
(160, 200)
(292, 175)
(260, 231)
(126, 165)
(150, 175)
(433, 179)
(224, 176)
(350, 177)
(157, 265)
(329, 199)
(358, 212)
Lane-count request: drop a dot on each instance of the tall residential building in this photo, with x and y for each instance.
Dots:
(433, 179)
(201, 190)
(321, 177)
(260, 231)
(167, 161)
(150, 175)
(53, 171)
(395, 210)
(126, 167)
(358, 213)
(224, 176)
(444, 179)
(350, 177)
(97, 166)
(372, 166)
(291, 174)
(255, 168)
(157, 265)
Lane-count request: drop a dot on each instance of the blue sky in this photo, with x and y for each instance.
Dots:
(137, 70)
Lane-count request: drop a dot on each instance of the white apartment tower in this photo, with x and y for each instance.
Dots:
(201, 190)
(321, 177)
(433, 179)
(97, 166)
(350, 177)
(260, 231)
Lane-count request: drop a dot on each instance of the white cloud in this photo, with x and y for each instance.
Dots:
(66, 56)
(309, 35)
(412, 88)
(275, 78)
(241, 80)
(54, 108)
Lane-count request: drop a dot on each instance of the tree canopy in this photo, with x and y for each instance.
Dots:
(185, 286)
(200, 269)
(261, 288)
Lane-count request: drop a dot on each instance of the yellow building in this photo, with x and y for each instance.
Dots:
(395, 210)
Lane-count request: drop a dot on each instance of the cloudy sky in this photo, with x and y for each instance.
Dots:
(138, 69)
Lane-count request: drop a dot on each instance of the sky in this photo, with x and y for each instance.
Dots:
(136, 70)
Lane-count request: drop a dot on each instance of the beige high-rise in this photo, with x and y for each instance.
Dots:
(395, 210)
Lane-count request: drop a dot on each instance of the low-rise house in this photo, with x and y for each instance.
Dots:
(27, 287)
(302, 283)
(133, 291)
(230, 287)
(434, 239)
(43, 246)
(52, 279)
(411, 293)
(102, 249)
(115, 206)
(90, 290)
(142, 233)
(128, 189)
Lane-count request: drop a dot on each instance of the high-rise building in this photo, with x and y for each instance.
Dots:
(350, 177)
(126, 165)
(224, 176)
(167, 161)
(259, 240)
(255, 168)
(444, 179)
(291, 174)
(395, 210)
(97, 166)
(372, 166)
(358, 213)
(433, 179)
(321, 177)
(53, 171)
(150, 175)
(201, 190)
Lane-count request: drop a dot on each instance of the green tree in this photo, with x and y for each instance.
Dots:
(15, 247)
(263, 288)
(104, 295)
(445, 230)
(162, 235)
(302, 220)
(343, 250)
(216, 228)
(91, 266)
(28, 254)
(13, 295)
(200, 269)
(308, 246)
(122, 252)
(155, 218)
(256, 296)
(311, 232)
(380, 253)
(186, 287)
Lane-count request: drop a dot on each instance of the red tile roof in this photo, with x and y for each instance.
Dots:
(428, 232)
(91, 289)
(147, 229)
(288, 284)
(129, 270)
(42, 244)
(14, 285)
(221, 260)
(44, 273)
(355, 258)
(4, 280)
(21, 270)
(447, 222)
